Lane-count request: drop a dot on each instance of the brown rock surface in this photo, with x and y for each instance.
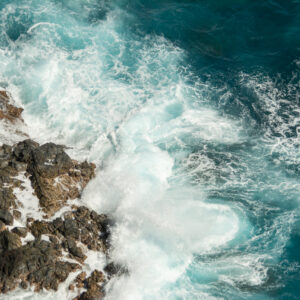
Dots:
(37, 263)
(8, 111)
(55, 177)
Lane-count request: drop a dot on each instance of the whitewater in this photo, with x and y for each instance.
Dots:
(198, 167)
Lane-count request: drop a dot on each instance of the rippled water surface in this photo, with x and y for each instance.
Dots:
(191, 110)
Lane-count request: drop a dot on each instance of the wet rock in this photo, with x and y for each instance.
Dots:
(114, 269)
(73, 248)
(38, 228)
(50, 160)
(17, 214)
(71, 229)
(80, 280)
(96, 276)
(55, 177)
(20, 231)
(6, 217)
(7, 198)
(58, 223)
(2, 226)
(9, 241)
(37, 263)
(18, 166)
(23, 150)
(94, 286)
(49, 277)
(8, 111)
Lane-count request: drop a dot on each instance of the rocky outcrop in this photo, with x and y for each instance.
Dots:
(94, 286)
(55, 177)
(36, 263)
(57, 246)
(80, 226)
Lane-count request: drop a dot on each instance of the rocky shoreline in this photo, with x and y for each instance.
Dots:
(40, 246)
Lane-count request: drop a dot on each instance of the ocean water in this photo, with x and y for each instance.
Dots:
(191, 111)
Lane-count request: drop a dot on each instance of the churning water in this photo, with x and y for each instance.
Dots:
(191, 111)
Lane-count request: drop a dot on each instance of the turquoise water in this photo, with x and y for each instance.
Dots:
(191, 110)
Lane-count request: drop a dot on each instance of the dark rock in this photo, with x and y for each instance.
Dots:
(23, 150)
(94, 285)
(92, 294)
(6, 217)
(49, 277)
(38, 228)
(37, 262)
(5, 151)
(18, 166)
(20, 231)
(71, 229)
(58, 223)
(24, 285)
(55, 177)
(74, 250)
(9, 241)
(113, 269)
(7, 198)
(97, 276)
(50, 160)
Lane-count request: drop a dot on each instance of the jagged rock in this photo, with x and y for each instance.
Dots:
(79, 281)
(20, 231)
(73, 248)
(41, 227)
(50, 160)
(55, 177)
(92, 233)
(7, 198)
(37, 262)
(8, 182)
(9, 241)
(96, 276)
(49, 277)
(71, 229)
(94, 285)
(23, 150)
(6, 217)
(8, 111)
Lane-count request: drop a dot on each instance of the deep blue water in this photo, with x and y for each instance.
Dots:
(192, 110)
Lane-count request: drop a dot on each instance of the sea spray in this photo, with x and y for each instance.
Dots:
(193, 123)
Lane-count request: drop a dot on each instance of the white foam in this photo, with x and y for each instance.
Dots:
(135, 120)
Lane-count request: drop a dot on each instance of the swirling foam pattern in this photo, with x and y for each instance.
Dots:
(191, 111)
